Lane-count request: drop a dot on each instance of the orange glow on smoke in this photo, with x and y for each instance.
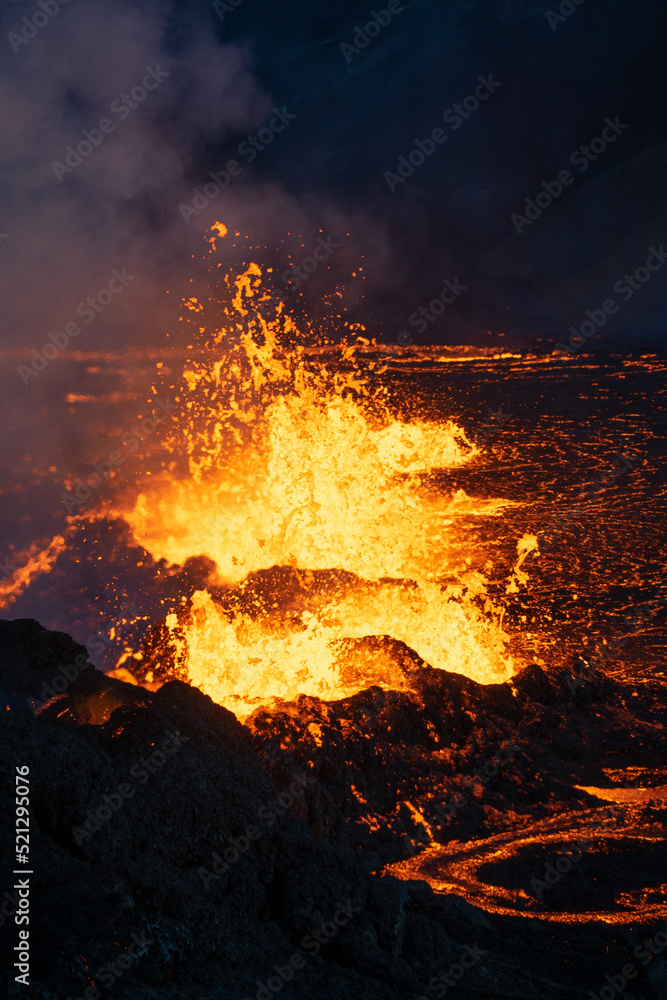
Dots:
(295, 463)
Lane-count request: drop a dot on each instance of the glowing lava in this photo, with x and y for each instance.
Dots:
(295, 464)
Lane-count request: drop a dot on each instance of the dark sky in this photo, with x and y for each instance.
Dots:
(561, 77)
(356, 113)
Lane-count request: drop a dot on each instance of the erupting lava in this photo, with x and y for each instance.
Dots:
(298, 465)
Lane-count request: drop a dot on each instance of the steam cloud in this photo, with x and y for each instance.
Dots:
(118, 207)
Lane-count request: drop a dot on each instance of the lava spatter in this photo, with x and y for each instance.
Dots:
(293, 461)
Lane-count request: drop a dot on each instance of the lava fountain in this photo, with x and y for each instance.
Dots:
(297, 463)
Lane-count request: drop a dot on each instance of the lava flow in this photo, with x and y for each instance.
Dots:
(300, 467)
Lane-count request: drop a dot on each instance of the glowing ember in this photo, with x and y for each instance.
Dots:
(294, 464)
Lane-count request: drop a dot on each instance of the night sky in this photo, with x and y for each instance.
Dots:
(357, 110)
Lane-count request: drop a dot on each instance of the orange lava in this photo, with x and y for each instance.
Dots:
(294, 461)
(32, 563)
(474, 869)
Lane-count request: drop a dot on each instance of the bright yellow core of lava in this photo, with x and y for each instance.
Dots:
(293, 463)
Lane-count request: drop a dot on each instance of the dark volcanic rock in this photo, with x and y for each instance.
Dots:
(161, 837)
(451, 758)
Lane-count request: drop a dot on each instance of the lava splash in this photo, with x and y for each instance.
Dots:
(298, 463)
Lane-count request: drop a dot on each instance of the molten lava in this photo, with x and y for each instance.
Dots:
(294, 464)
(32, 563)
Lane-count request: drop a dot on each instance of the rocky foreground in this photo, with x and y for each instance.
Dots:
(177, 853)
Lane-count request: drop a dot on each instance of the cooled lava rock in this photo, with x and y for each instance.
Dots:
(450, 758)
(171, 857)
